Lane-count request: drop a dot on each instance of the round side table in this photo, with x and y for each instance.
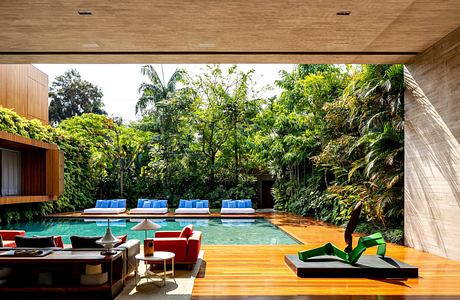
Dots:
(158, 256)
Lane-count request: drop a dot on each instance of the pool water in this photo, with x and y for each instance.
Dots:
(256, 231)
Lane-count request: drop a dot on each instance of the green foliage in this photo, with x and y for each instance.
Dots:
(72, 96)
(335, 137)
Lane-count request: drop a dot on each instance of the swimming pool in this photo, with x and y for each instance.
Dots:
(257, 231)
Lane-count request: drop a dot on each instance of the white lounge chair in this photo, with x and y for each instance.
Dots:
(195, 206)
(150, 206)
(114, 206)
(237, 207)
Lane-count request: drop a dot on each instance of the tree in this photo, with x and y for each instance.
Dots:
(157, 91)
(164, 107)
(72, 96)
(222, 103)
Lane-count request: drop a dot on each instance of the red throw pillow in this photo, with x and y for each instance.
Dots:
(186, 231)
(58, 241)
(123, 239)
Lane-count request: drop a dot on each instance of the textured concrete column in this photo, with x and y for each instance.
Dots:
(432, 149)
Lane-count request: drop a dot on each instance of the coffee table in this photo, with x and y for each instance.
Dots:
(157, 257)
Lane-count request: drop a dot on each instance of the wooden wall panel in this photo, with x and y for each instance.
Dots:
(33, 173)
(13, 87)
(36, 99)
(54, 173)
(24, 89)
(432, 149)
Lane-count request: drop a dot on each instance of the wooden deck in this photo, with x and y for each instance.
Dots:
(232, 272)
(236, 272)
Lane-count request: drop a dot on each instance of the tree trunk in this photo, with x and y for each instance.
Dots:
(121, 181)
(236, 162)
(211, 177)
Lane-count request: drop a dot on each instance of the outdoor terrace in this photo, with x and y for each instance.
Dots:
(239, 271)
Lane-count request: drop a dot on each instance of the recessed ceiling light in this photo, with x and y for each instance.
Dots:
(207, 45)
(90, 45)
(85, 13)
(344, 13)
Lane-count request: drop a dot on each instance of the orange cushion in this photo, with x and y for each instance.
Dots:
(187, 231)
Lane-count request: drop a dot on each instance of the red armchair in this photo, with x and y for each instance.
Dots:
(8, 237)
(186, 250)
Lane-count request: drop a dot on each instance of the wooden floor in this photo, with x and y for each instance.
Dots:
(232, 272)
(259, 272)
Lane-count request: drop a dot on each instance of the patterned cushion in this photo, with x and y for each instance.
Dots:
(241, 203)
(140, 203)
(248, 203)
(121, 203)
(182, 203)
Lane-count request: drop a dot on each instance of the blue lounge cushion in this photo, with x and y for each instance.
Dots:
(199, 204)
(105, 203)
(225, 203)
(182, 203)
(248, 203)
(156, 204)
(232, 204)
(113, 203)
(241, 203)
(194, 202)
(99, 203)
(121, 203)
(140, 203)
(188, 204)
(163, 203)
(205, 203)
(147, 204)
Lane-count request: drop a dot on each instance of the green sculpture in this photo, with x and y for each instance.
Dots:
(349, 255)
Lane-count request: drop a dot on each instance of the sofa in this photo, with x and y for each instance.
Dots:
(130, 248)
(9, 237)
(186, 248)
(195, 206)
(237, 207)
(150, 206)
(112, 206)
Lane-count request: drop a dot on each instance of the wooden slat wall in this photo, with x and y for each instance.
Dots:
(432, 155)
(33, 172)
(24, 88)
(54, 173)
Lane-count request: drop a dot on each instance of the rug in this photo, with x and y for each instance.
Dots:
(179, 288)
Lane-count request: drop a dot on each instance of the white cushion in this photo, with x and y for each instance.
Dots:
(192, 211)
(104, 210)
(237, 211)
(148, 211)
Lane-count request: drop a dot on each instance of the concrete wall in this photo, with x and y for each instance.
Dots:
(432, 155)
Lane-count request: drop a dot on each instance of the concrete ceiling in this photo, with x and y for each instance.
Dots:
(207, 31)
